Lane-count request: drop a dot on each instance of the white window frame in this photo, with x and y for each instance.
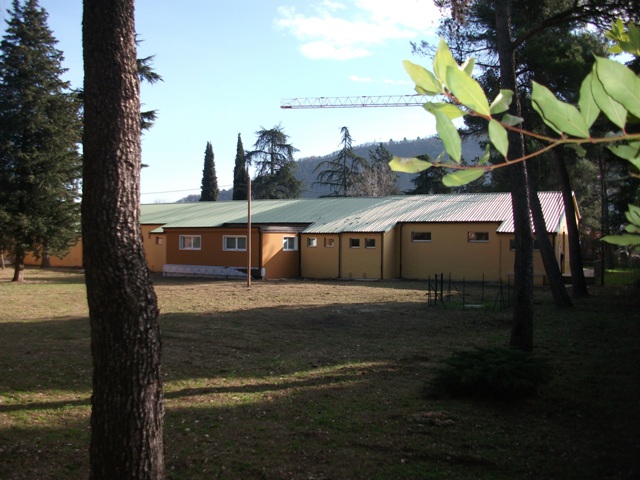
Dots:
(415, 234)
(354, 243)
(312, 242)
(190, 242)
(285, 244)
(368, 243)
(226, 248)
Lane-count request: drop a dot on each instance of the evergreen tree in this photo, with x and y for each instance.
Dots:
(209, 191)
(273, 158)
(428, 181)
(147, 74)
(240, 174)
(40, 130)
(340, 173)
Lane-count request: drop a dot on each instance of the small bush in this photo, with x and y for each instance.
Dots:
(496, 373)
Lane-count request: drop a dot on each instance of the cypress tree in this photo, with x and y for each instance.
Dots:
(40, 130)
(240, 174)
(210, 191)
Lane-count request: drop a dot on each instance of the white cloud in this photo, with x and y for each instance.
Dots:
(352, 28)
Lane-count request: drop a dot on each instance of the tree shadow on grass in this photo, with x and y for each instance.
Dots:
(324, 392)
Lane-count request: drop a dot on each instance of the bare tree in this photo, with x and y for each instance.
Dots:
(377, 179)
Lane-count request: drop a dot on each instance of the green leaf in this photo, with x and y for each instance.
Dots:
(408, 165)
(624, 240)
(511, 120)
(558, 115)
(612, 109)
(619, 82)
(468, 65)
(633, 214)
(462, 177)
(486, 156)
(627, 152)
(498, 136)
(467, 90)
(588, 106)
(633, 46)
(425, 81)
(501, 102)
(579, 149)
(449, 136)
(449, 109)
(442, 60)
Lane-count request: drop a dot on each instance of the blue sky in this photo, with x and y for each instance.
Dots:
(227, 65)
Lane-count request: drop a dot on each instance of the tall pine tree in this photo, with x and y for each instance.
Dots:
(40, 130)
(127, 401)
(210, 190)
(273, 158)
(240, 174)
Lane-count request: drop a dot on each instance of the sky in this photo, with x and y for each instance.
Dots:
(227, 66)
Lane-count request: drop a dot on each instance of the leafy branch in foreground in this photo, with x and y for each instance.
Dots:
(610, 88)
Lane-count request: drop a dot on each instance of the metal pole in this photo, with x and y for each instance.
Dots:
(249, 233)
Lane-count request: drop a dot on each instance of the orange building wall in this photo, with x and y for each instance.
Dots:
(450, 252)
(155, 247)
(321, 261)
(361, 262)
(391, 265)
(277, 262)
(73, 259)
(211, 252)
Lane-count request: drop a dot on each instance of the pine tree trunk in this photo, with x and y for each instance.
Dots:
(18, 265)
(556, 282)
(578, 280)
(522, 323)
(46, 260)
(127, 400)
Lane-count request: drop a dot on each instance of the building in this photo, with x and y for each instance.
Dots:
(466, 236)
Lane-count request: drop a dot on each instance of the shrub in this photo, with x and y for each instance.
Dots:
(495, 373)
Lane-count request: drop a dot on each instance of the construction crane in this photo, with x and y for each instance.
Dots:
(355, 102)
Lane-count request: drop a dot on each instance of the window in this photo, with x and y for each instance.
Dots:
(420, 236)
(290, 243)
(189, 242)
(312, 242)
(329, 242)
(477, 236)
(354, 243)
(369, 243)
(234, 243)
(159, 240)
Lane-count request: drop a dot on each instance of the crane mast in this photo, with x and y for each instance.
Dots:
(355, 102)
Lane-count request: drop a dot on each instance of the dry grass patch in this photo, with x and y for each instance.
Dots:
(324, 380)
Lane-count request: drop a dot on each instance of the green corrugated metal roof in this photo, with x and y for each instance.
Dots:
(338, 214)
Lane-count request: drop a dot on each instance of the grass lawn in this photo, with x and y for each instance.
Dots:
(324, 380)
